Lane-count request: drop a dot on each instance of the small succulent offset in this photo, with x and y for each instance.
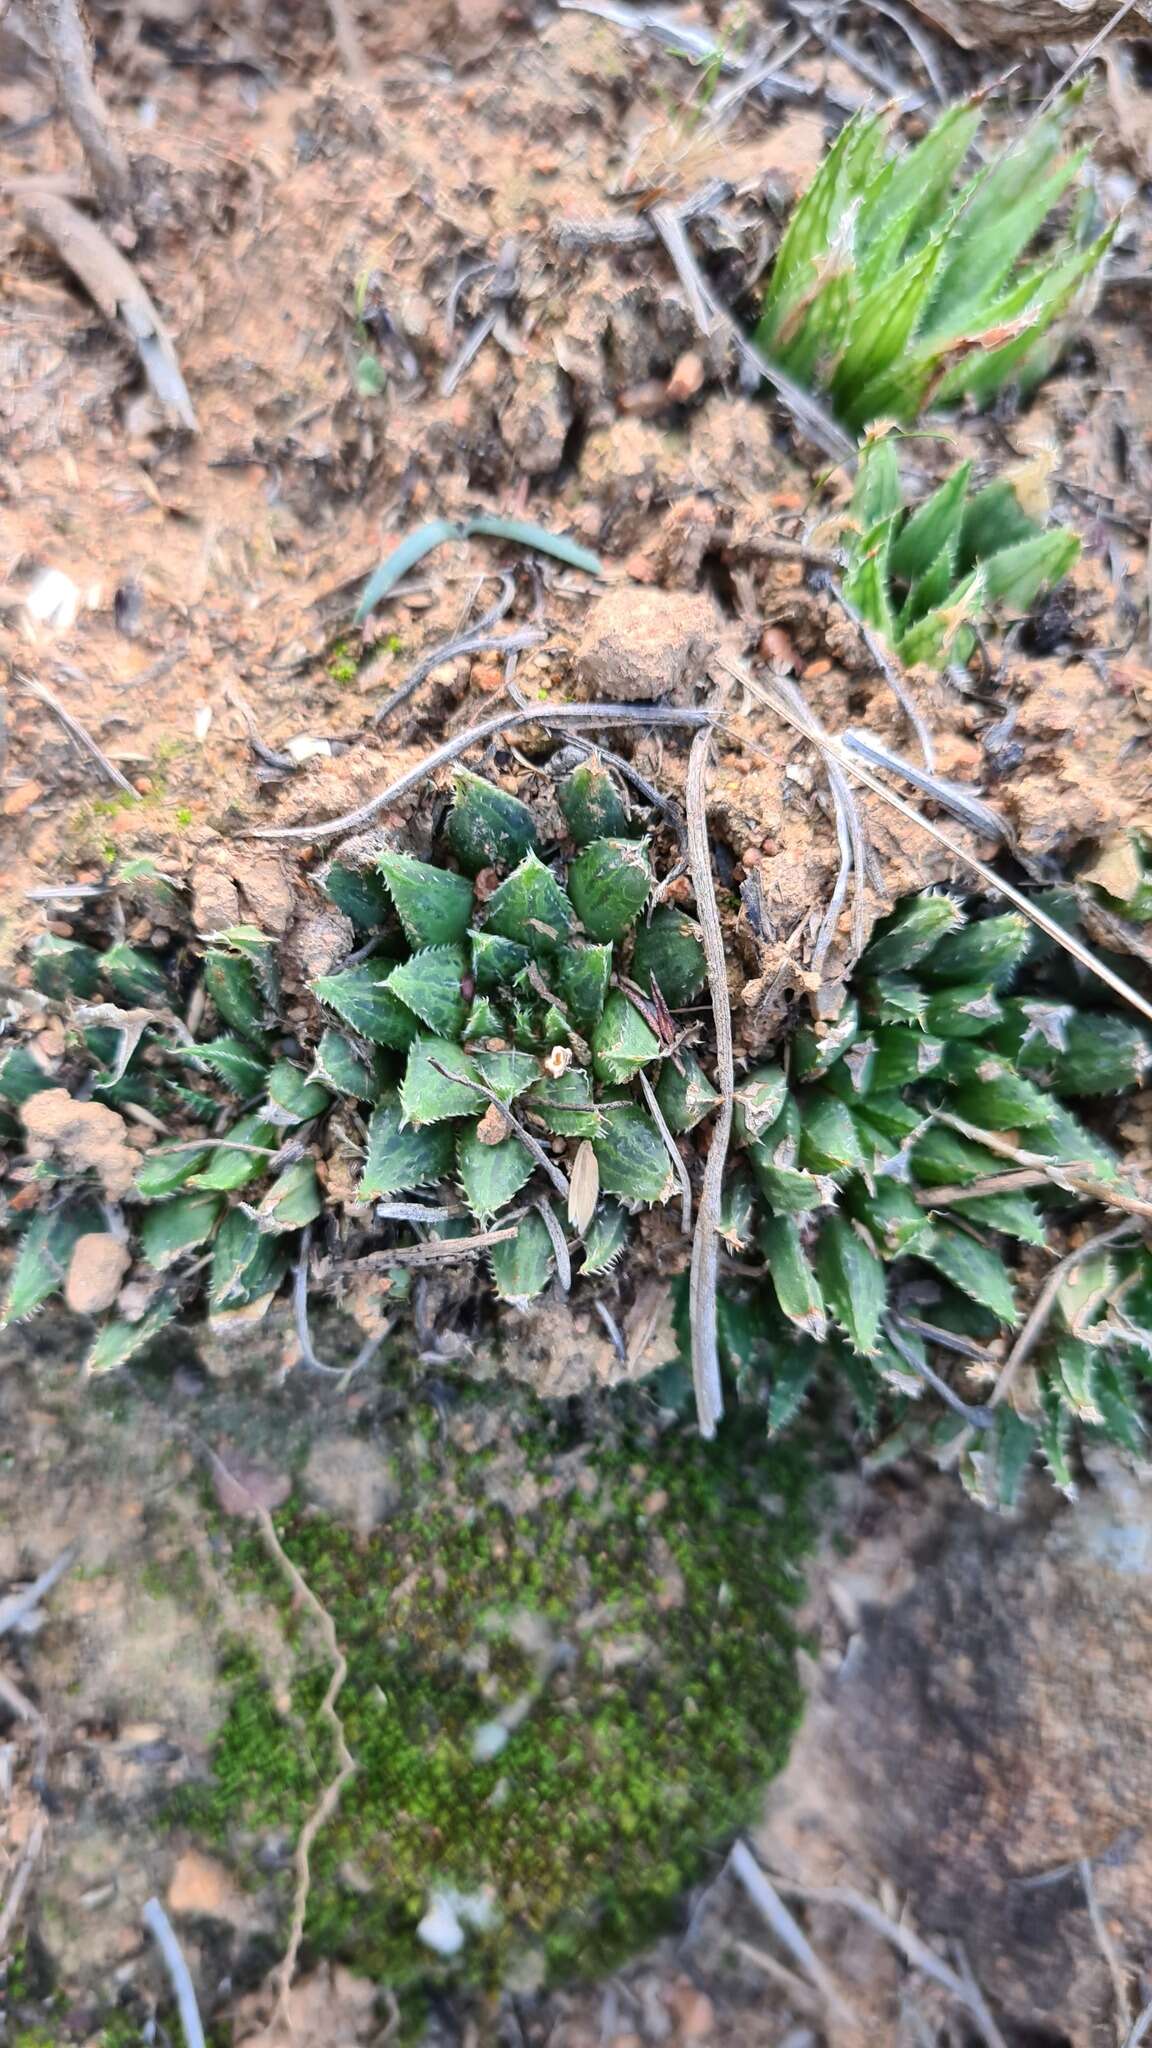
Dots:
(492, 1037)
(890, 1219)
(925, 579)
(900, 285)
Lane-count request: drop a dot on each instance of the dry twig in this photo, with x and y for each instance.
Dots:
(111, 281)
(1107, 1948)
(163, 1934)
(1044, 1304)
(75, 731)
(673, 1151)
(767, 1901)
(69, 54)
(706, 1239)
(20, 1883)
(888, 669)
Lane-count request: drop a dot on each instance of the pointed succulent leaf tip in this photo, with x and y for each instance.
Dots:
(228, 1169)
(605, 1238)
(852, 1282)
(582, 976)
(22, 1076)
(609, 883)
(531, 909)
(894, 999)
(178, 1226)
(483, 1020)
(433, 905)
(292, 1097)
(487, 828)
(593, 806)
(41, 1266)
(508, 1074)
(496, 962)
(522, 1265)
(685, 1093)
(967, 1010)
(622, 1042)
(975, 1269)
(632, 1156)
(829, 1139)
(895, 1222)
(436, 1082)
(293, 1199)
(359, 892)
(62, 968)
(564, 1104)
(910, 933)
(904, 1056)
(340, 1066)
(167, 1168)
(135, 977)
(814, 1051)
(119, 1342)
(246, 1265)
(990, 1093)
(759, 1102)
(490, 1175)
(430, 984)
(737, 1207)
(400, 1157)
(231, 985)
(239, 1064)
(361, 997)
(669, 955)
(989, 950)
(1016, 576)
(1101, 1055)
(790, 1270)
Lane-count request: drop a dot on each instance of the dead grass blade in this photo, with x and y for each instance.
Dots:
(995, 883)
(673, 1151)
(69, 55)
(706, 1239)
(1044, 1304)
(110, 280)
(76, 731)
(179, 1975)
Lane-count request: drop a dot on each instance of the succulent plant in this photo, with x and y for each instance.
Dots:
(501, 1018)
(900, 283)
(925, 579)
(868, 1236)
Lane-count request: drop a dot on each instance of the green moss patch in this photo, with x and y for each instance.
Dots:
(571, 1672)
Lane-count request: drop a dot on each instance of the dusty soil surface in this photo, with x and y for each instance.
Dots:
(324, 251)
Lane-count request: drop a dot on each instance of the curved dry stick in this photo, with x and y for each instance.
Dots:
(1044, 1304)
(69, 53)
(705, 1242)
(163, 1934)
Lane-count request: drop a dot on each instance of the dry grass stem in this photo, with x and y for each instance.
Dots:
(706, 1240)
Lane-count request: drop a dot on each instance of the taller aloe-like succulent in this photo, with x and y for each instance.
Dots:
(890, 1220)
(900, 283)
(493, 1038)
(925, 579)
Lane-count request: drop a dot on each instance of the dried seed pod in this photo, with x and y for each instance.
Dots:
(584, 1187)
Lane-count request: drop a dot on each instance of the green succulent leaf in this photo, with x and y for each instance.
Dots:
(22, 1076)
(829, 1139)
(293, 1199)
(62, 968)
(522, 1266)
(172, 1228)
(483, 1020)
(507, 1074)
(669, 955)
(933, 530)
(487, 827)
(438, 1083)
(988, 951)
(564, 1104)
(362, 998)
(531, 909)
(904, 1056)
(359, 892)
(593, 806)
(605, 1238)
(134, 976)
(583, 973)
(41, 1265)
(119, 1342)
(990, 1093)
(759, 1103)
(622, 1043)
(430, 984)
(877, 491)
(1015, 1215)
(890, 1213)
(496, 962)
(1016, 576)
(246, 1265)
(292, 1097)
(490, 1175)
(433, 905)
(793, 1279)
(967, 1010)
(339, 1065)
(975, 1269)
(167, 1168)
(235, 1060)
(228, 1170)
(909, 934)
(685, 1094)
(852, 1282)
(813, 1052)
(632, 1156)
(262, 953)
(231, 982)
(609, 883)
(402, 1158)
(737, 1207)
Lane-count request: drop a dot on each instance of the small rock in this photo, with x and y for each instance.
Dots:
(535, 422)
(21, 799)
(694, 2012)
(352, 1480)
(687, 377)
(242, 1487)
(87, 1135)
(492, 1128)
(98, 1264)
(646, 644)
(203, 1887)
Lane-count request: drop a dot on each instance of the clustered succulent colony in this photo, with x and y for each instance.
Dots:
(899, 284)
(521, 1034)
